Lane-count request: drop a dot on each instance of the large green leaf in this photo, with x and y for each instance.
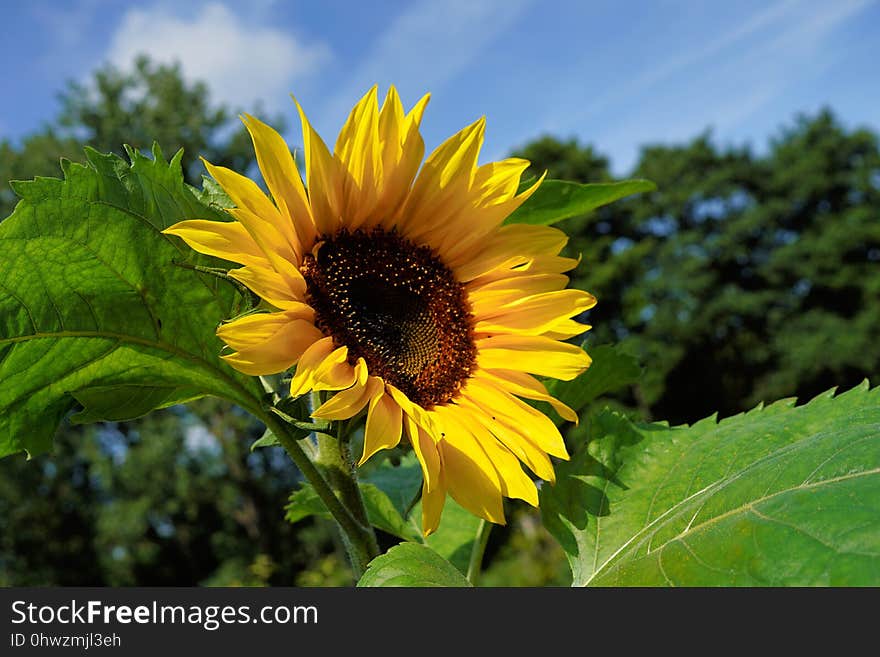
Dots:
(410, 564)
(381, 512)
(556, 200)
(95, 305)
(781, 495)
(400, 483)
(454, 537)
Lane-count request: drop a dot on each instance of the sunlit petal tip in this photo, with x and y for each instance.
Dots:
(418, 110)
(526, 193)
(306, 126)
(432, 508)
(384, 422)
(207, 164)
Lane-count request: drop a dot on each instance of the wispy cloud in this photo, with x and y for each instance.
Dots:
(670, 66)
(795, 52)
(241, 61)
(426, 46)
(721, 81)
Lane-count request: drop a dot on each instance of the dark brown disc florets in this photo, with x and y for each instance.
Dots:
(397, 306)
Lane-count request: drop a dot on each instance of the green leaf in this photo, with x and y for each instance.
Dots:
(782, 496)
(380, 510)
(556, 200)
(455, 536)
(268, 439)
(610, 370)
(399, 482)
(382, 514)
(123, 402)
(213, 194)
(96, 307)
(409, 564)
(304, 503)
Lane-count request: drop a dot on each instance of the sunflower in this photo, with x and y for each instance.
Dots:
(393, 284)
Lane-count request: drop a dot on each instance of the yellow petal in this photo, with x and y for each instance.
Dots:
(532, 354)
(402, 152)
(475, 488)
(492, 295)
(283, 179)
(272, 232)
(471, 436)
(412, 410)
(425, 450)
(323, 179)
(348, 403)
(384, 425)
(224, 239)
(512, 246)
(530, 422)
(536, 265)
(432, 505)
(268, 284)
(467, 235)
(358, 153)
(335, 373)
(498, 181)
(453, 161)
(525, 450)
(434, 480)
(244, 192)
(279, 352)
(391, 120)
(524, 385)
(252, 330)
(439, 192)
(279, 253)
(304, 377)
(535, 314)
(565, 329)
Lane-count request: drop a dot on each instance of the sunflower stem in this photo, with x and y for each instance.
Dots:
(359, 538)
(479, 547)
(335, 460)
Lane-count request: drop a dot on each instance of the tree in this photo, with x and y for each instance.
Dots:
(742, 278)
(151, 102)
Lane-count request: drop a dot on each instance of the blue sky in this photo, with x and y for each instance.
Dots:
(614, 74)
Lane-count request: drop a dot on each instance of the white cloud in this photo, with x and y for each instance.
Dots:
(240, 62)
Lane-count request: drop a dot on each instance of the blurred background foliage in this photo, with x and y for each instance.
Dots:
(745, 277)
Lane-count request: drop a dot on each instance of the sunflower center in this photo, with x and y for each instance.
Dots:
(395, 305)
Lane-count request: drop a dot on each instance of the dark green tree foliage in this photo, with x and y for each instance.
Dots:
(38, 155)
(47, 517)
(744, 277)
(152, 102)
(171, 499)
